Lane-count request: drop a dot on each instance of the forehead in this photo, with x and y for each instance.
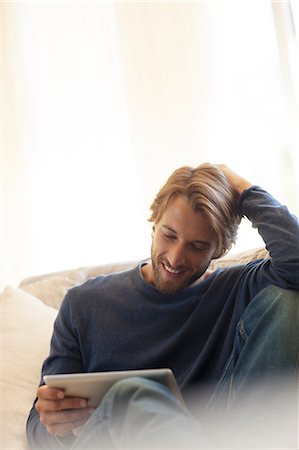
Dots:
(181, 218)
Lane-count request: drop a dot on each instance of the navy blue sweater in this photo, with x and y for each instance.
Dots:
(118, 321)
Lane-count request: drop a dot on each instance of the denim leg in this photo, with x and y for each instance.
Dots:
(142, 414)
(258, 392)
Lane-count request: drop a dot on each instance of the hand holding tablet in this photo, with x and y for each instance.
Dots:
(93, 386)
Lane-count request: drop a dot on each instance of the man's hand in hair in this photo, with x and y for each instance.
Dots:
(239, 183)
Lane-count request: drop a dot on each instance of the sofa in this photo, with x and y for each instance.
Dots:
(27, 316)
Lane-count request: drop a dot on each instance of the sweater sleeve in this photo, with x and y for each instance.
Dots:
(280, 232)
(64, 357)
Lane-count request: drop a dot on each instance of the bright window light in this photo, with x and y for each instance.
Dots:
(102, 100)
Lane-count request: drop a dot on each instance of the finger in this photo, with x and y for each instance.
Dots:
(47, 393)
(67, 416)
(68, 403)
(63, 422)
(64, 429)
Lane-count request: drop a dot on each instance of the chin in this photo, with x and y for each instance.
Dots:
(169, 287)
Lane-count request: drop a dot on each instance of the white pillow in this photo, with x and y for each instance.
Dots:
(26, 328)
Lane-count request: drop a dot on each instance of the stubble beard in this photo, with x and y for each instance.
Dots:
(169, 287)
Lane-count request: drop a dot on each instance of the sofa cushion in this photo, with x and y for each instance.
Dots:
(240, 258)
(26, 328)
(51, 288)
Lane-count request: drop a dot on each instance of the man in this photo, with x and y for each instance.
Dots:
(229, 330)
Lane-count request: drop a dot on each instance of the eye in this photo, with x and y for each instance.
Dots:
(169, 237)
(198, 249)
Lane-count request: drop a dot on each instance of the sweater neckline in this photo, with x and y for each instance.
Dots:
(155, 294)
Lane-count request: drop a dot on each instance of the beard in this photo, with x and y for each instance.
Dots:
(171, 286)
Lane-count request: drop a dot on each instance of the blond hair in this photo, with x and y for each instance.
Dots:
(207, 191)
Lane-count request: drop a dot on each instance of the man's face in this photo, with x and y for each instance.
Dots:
(182, 247)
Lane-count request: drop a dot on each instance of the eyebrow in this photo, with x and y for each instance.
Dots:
(206, 243)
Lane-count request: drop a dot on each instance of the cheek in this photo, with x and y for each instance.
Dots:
(202, 261)
(158, 246)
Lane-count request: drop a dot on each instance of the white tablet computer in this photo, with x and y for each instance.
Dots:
(93, 386)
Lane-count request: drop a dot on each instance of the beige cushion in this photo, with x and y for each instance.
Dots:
(51, 288)
(26, 328)
(240, 258)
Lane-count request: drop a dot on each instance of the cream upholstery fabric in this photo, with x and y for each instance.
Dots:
(51, 288)
(26, 328)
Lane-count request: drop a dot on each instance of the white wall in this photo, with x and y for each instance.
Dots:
(101, 101)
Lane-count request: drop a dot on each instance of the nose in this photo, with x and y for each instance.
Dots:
(176, 256)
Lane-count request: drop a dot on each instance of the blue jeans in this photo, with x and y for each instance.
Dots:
(254, 405)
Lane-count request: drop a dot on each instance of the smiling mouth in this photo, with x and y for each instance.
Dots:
(171, 270)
